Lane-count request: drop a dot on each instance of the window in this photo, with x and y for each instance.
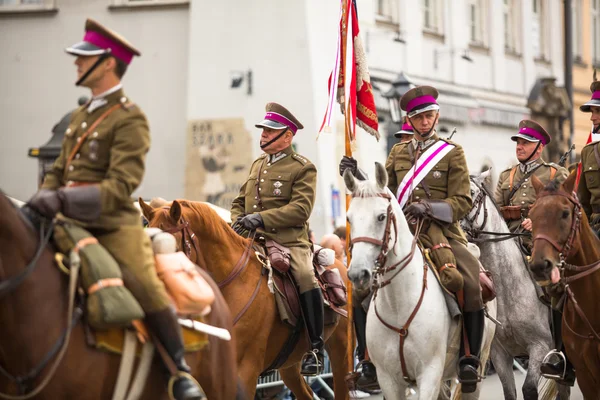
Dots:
(432, 16)
(576, 21)
(27, 6)
(511, 26)
(538, 30)
(476, 14)
(595, 28)
(134, 3)
(388, 11)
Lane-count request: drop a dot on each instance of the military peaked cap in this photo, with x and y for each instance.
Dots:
(595, 100)
(532, 132)
(419, 99)
(278, 117)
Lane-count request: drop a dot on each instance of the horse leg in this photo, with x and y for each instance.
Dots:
(430, 382)
(336, 347)
(503, 363)
(295, 382)
(249, 374)
(530, 386)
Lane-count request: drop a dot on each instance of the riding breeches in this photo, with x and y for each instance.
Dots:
(457, 254)
(302, 269)
(131, 248)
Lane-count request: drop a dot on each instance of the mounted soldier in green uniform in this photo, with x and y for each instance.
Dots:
(102, 161)
(276, 201)
(438, 191)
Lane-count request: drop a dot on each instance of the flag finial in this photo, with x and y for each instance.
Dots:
(594, 76)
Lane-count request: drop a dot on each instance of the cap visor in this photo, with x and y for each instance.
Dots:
(429, 107)
(592, 103)
(400, 133)
(85, 49)
(267, 123)
(520, 135)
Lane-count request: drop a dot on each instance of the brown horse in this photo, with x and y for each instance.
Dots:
(33, 315)
(566, 249)
(260, 334)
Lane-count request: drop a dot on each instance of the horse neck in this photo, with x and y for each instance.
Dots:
(218, 255)
(33, 313)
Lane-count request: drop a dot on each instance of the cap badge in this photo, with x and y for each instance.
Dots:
(418, 92)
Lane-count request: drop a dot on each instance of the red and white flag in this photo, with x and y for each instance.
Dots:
(350, 83)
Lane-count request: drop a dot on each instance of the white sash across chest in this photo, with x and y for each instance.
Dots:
(422, 167)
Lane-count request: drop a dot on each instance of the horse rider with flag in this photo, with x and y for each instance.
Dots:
(276, 201)
(514, 193)
(556, 365)
(439, 191)
(101, 163)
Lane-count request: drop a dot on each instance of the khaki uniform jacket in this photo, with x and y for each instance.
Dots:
(287, 189)
(447, 181)
(525, 196)
(589, 184)
(113, 156)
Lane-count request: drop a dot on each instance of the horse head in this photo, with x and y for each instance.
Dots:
(477, 217)
(556, 226)
(377, 224)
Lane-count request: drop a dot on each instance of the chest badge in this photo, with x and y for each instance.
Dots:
(437, 174)
(94, 145)
(277, 191)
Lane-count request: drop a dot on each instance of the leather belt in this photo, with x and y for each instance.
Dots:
(80, 183)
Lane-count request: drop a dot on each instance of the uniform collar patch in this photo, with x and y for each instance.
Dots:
(422, 145)
(277, 156)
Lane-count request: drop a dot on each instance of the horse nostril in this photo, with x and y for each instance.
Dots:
(548, 264)
(365, 275)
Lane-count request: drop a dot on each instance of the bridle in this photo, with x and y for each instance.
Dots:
(189, 240)
(381, 269)
(474, 233)
(566, 250)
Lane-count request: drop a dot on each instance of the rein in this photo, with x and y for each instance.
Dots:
(189, 239)
(60, 347)
(381, 270)
(474, 233)
(564, 252)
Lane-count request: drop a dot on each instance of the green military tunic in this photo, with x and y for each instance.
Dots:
(281, 188)
(449, 181)
(589, 184)
(113, 156)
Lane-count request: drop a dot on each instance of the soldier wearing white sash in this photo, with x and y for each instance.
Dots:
(430, 179)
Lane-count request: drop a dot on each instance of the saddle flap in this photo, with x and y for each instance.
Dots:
(190, 293)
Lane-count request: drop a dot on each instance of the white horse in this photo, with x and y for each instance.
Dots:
(431, 345)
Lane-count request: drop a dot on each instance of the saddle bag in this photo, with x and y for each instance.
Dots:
(189, 292)
(511, 213)
(109, 303)
(330, 280)
(488, 291)
(279, 256)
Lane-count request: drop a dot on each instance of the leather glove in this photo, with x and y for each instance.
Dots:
(416, 211)
(348, 163)
(452, 279)
(252, 222)
(46, 202)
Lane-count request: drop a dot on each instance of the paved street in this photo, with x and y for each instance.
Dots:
(492, 389)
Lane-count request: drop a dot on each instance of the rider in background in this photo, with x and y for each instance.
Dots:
(440, 194)
(276, 201)
(515, 194)
(101, 163)
(556, 363)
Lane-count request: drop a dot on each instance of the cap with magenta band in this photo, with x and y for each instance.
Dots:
(532, 132)
(278, 117)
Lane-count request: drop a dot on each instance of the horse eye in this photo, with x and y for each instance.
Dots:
(381, 217)
(565, 214)
(472, 193)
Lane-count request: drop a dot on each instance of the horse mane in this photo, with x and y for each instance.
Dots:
(367, 188)
(212, 223)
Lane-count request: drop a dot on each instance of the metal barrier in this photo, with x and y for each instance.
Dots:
(274, 379)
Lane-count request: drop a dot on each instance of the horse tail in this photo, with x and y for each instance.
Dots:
(547, 389)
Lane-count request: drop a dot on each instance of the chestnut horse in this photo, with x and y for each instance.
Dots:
(259, 332)
(566, 250)
(34, 313)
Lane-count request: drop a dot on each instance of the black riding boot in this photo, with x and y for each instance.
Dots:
(556, 365)
(164, 325)
(312, 310)
(368, 378)
(468, 373)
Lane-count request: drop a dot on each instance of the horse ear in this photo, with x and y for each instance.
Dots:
(538, 186)
(175, 211)
(147, 211)
(569, 184)
(349, 180)
(486, 176)
(381, 176)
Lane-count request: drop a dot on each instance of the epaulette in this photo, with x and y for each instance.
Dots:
(400, 144)
(589, 144)
(450, 142)
(125, 104)
(300, 158)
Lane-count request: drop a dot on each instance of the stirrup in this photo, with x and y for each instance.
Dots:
(461, 362)
(315, 355)
(184, 375)
(547, 360)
